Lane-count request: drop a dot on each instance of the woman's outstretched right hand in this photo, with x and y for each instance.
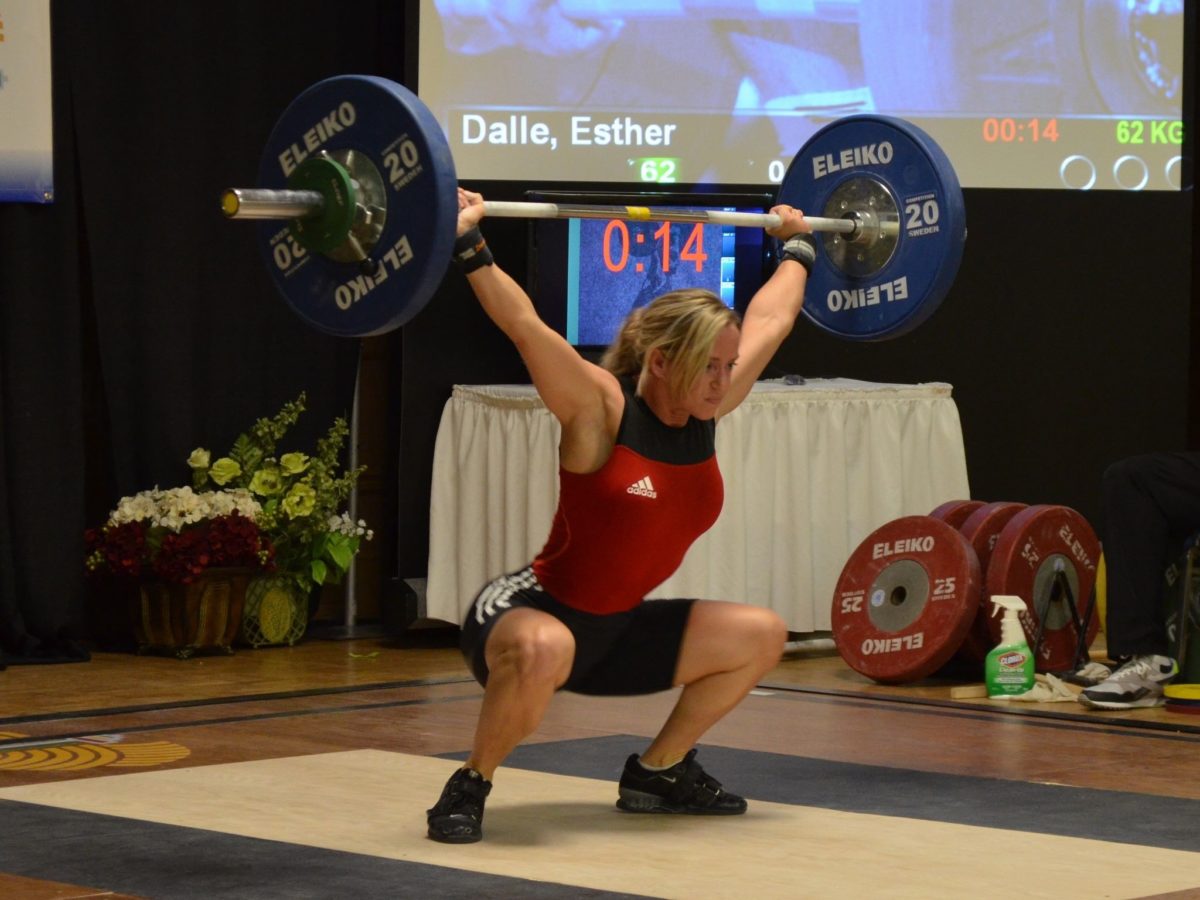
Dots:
(470, 210)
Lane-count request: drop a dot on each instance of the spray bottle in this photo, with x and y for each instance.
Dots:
(1009, 668)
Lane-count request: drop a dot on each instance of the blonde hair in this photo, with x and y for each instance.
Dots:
(683, 325)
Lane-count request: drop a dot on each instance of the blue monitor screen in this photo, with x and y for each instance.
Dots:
(616, 266)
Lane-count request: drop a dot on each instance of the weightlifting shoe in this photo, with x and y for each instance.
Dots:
(1138, 683)
(457, 817)
(683, 788)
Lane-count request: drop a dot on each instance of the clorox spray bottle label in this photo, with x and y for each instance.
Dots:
(1009, 668)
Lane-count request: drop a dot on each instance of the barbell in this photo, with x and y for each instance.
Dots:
(357, 207)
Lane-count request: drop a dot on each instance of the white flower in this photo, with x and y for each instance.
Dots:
(170, 522)
(134, 509)
(343, 524)
(222, 503)
(177, 507)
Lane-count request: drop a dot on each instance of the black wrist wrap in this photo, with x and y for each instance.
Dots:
(471, 251)
(800, 247)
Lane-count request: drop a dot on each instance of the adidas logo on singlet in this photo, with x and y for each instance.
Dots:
(643, 488)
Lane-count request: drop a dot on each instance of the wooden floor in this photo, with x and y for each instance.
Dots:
(121, 716)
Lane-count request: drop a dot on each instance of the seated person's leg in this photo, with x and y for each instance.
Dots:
(1151, 502)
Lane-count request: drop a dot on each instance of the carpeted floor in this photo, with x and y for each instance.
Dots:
(351, 824)
(1128, 818)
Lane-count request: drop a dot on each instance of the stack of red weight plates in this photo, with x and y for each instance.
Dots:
(915, 594)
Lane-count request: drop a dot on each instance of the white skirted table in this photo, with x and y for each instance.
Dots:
(810, 470)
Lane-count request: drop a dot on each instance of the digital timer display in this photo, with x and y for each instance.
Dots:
(1126, 154)
(617, 266)
(616, 258)
(587, 274)
(1011, 130)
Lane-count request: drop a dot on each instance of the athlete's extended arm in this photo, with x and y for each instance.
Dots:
(570, 386)
(771, 314)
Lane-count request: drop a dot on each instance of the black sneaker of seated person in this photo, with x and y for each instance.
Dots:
(683, 788)
(457, 817)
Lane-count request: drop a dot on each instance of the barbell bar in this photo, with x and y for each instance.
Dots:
(262, 203)
(357, 204)
(259, 203)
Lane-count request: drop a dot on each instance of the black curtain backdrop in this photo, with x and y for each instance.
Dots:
(135, 322)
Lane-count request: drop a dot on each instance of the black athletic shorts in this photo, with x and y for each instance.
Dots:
(624, 653)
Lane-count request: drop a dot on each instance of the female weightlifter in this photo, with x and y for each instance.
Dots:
(638, 483)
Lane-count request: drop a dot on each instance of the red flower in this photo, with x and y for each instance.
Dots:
(132, 550)
(123, 547)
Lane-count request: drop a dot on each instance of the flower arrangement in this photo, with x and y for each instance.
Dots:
(249, 508)
(314, 540)
(174, 535)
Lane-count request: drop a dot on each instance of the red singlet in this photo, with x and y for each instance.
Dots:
(622, 530)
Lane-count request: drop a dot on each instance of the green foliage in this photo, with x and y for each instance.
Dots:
(302, 496)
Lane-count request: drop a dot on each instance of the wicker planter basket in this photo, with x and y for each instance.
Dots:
(183, 620)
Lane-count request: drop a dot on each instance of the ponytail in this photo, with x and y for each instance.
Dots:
(624, 355)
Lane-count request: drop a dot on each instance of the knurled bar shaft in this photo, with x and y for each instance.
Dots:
(506, 209)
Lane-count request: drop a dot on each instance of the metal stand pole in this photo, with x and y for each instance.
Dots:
(350, 629)
(352, 573)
